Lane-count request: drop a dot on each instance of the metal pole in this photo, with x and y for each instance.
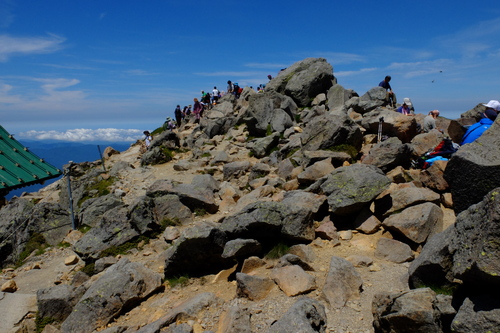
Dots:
(102, 158)
(67, 173)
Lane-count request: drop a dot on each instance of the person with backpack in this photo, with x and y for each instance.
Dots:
(476, 130)
(230, 87)
(236, 90)
(178, 115)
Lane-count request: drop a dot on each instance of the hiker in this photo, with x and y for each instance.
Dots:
(430, 121)
(408, 102)
(197, 109)
(237, 90)
(169, 124)
(269, 77)
(404, 109)
(147, 139)
(178, 115)
(215, 95)
(188, 112)
(476, 130)
(206, 101)
(230, 87)
(390, 96)
(184, 110)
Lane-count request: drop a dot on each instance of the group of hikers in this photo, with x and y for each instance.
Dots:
(447, 146)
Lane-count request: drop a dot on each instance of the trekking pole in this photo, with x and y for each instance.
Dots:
(102, 158)
(380, 124)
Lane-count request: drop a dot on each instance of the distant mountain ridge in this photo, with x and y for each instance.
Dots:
(59, 153)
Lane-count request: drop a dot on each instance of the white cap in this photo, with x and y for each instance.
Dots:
(493, 104)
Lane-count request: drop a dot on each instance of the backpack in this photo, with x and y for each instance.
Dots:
(443, 151)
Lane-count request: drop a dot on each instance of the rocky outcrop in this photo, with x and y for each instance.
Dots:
(473, 170)
(304, 80)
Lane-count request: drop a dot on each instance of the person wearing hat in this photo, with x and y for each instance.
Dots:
(404, 109)
(494, 105)
(476, 130)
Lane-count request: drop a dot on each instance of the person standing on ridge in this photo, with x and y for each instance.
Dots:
(178, 115)
(215, 95)
(230, 87)
(390, 95)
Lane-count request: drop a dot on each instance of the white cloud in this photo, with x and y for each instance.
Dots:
(85, 135)
(10, 46)
(6, 16)
(352, 73)
(265, 65)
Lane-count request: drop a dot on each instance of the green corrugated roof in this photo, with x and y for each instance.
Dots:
(19, 167)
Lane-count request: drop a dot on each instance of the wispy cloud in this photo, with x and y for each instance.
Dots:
(85, 135)
(353, 73)
(139, 72)
(11, 46)
(265, 65)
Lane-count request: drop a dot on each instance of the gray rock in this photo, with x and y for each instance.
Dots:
(338, 158)
(306, 316)
(480, 314)
(198, 251)
(395, 124)
(329, 130)
(235, 169)
(262, 146)
(103, 263)
(316, 171)
(57, 302)
(187, 310)
(393, 250)
(388, 154)
(253, 287)
(416, 223)
(293, 280)
(402, 197)
(412, 311)
(292, 259)
(118, 167)
(338, 96)
(304, 80)
(473, 170)
(206, 181)
(303, 251)
(235, 319)
(241, 248)
(342, 284)
(123, 284)
(351, 188)
(113, 229)
(169, 207)
(190, 195)
(259, 170)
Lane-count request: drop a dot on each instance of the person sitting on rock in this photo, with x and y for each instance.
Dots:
(404, 109)
(476, 130)
(408, 102)
(430, 121)
(390, 95)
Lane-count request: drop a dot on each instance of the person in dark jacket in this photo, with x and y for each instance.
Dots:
(390, 95)
(476, 130)
(178, 115)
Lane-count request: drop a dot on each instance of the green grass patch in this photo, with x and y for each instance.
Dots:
(124, 248)
(100, 187)
(36, 243)
(84, 228)
(64, 244)
(200, 212)
(89, 269)
(350, 150)
(206, 155)
(181, 281)
(278, 251)
(40, 323)
(291, 152)
(269, 130)
(443, 290)
(166, 222)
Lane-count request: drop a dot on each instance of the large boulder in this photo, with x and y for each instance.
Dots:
(415, 311)
(337, 96)
(473, 170)
(197, 252)
(306, 316)
(343, 283)
(268, 111)
(330, 130)
(304, 80)
(372, 99)
(388, 154)
(394, 124)
(467, 250)
(350, 188)
(113, 229)
(191, 195)
(122, 285)
(92, 209)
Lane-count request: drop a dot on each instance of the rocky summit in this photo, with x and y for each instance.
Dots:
(291, 210)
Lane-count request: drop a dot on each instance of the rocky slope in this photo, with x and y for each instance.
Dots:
(279, 212)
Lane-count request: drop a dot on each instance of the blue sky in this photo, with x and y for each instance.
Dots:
(107, 70)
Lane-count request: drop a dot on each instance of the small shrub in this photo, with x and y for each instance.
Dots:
(89, 269)
(182, 281)
(84, 228)
(351, 150)
(124, 248)
(100, 187)
(200, 212)
(207, 154)
(64, 244)
(278, 251)
(40, 323)
(297, 118)
(36, 243)
(166, 222)
(269, 130)
(251, 153)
